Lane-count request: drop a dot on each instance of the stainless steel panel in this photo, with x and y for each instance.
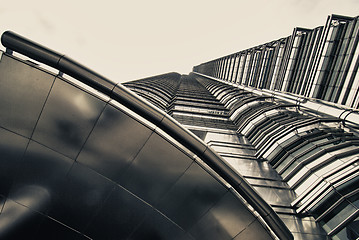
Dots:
(254, 231)
(18, 222)
(82, 195)
(120, 215)
(268, 194)
(156, 226)
(276, 196)
(287, 196)
(224, 221)
(306, 236)
(187, 236)
(303, 225)
(268, 183)
(155, 169)
(67, 118)
(51, 229)
(192, 195)
(39, 178)
(23, 91)
(12, 148)
(253, 168)
(113, 143)
(233, 150)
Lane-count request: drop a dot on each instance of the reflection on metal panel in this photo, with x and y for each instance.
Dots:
(225, 220)
(41, 167)
(155, 169)
(194, 186)
(114, 143)
(22, 97)
(17, 221)
(12, 148)
(62, 132)
(121, 213)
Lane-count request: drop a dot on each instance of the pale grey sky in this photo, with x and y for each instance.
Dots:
(128, 40)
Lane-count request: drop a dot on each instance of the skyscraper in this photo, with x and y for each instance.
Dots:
(253, 145)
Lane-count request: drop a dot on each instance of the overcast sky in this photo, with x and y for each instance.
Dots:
(128, 40)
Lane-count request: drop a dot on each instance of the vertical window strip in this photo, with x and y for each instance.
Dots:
(350, 76)
(308, 75)
(324, 41)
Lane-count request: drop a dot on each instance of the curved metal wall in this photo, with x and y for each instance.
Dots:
(77, 164)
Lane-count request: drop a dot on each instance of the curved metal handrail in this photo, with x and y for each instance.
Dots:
(121, 94)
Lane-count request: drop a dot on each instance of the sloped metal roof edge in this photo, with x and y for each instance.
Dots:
(27, 47)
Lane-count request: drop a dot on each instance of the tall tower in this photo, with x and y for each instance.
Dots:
(259, 144)
(301, 118)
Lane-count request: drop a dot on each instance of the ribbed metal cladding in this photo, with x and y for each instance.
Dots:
(314, 154)
(318, 63)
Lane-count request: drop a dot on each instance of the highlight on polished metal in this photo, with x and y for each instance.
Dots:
(259, 144)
